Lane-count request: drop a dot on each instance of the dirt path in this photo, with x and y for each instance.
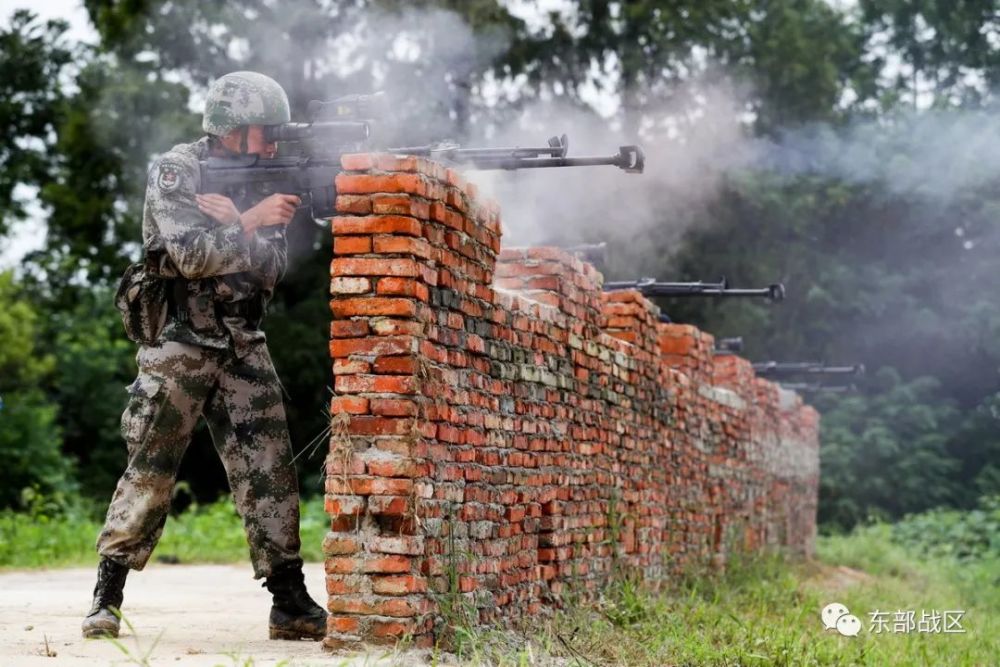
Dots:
(203, 614)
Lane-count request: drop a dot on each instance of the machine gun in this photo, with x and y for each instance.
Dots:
(309, 158)
(650, 287)
(816, 387)
(725, 346)
(779, 369)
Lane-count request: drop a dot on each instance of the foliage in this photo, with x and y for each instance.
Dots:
(886, 454)
(766, 611)
(966, 535)
(29, 436)
(878, 261)
(61, 530)
(32, 57)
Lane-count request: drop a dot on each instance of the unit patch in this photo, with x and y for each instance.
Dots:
(169, 178)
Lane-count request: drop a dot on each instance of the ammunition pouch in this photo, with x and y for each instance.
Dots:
(141, 299)
(252, 310)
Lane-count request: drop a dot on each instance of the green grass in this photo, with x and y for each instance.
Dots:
(765, 611)
(761, 611)
(210, 533)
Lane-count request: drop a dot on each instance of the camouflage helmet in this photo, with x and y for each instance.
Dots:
(238, 99)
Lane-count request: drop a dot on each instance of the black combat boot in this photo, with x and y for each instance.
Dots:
(294, 615)
(101, 621)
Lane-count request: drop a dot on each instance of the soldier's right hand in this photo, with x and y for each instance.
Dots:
(277, 209)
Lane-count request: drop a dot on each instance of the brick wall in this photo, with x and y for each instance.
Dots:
(504, 430)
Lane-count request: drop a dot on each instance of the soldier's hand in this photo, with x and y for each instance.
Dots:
(219, 208)
(277, 209)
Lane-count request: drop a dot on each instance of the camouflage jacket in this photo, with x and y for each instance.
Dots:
(222, 266)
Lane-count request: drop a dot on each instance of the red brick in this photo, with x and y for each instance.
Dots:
(358, 204)
(400, 544)
(392, 629)
(404, 365)
(387, 384)
(402, 245)
(388, 505)
(373, 306)
(403, 287)
(344, 505)
(366, 486)
(349, 329)
(341, 285)
(392, 183)
(374, 346)
(336, 544)
(343, 624)
(392, 407)
(377, 224)
(397, 468)
(400, 205)
(352, 245)
(353, 266)
(353, 405)
(377, 425)
(343, 366)
(403, 584)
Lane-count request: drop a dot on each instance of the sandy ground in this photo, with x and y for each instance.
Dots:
(202, 615)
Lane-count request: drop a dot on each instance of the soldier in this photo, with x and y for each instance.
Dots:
(219, 266)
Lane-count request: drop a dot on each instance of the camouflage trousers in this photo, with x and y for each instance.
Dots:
(241, 401)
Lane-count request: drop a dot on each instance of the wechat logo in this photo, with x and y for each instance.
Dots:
(837, 617)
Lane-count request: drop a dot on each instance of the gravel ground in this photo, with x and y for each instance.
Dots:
(196, 614)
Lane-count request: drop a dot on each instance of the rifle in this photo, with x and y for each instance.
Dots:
(650, 287)
(725, 346)
(791, 369)
(816, 387)
(309, 158)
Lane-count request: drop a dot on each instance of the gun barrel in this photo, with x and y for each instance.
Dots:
(785, 369)
(729, 345)
(650, 287)
(630, 158)
(805, 387)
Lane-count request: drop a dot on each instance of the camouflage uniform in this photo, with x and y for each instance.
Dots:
(211, 359)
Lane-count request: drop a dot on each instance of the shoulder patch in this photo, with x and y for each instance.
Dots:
(168, 178)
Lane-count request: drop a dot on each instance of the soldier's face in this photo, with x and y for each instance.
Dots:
(257, 144)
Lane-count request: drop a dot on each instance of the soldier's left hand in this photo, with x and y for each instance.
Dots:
(218, 207)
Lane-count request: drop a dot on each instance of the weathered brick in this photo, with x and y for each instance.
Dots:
(376, 224)
(365, 184)
(550, 432)
(354, 266)
(402, 584)
(350, 285)
(363, 307)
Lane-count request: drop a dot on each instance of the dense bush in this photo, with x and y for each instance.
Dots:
(973, 534)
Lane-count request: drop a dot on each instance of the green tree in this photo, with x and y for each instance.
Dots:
(29, 437)
(885, 454)
(33, 57)
(794, 59)
(948, 49)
